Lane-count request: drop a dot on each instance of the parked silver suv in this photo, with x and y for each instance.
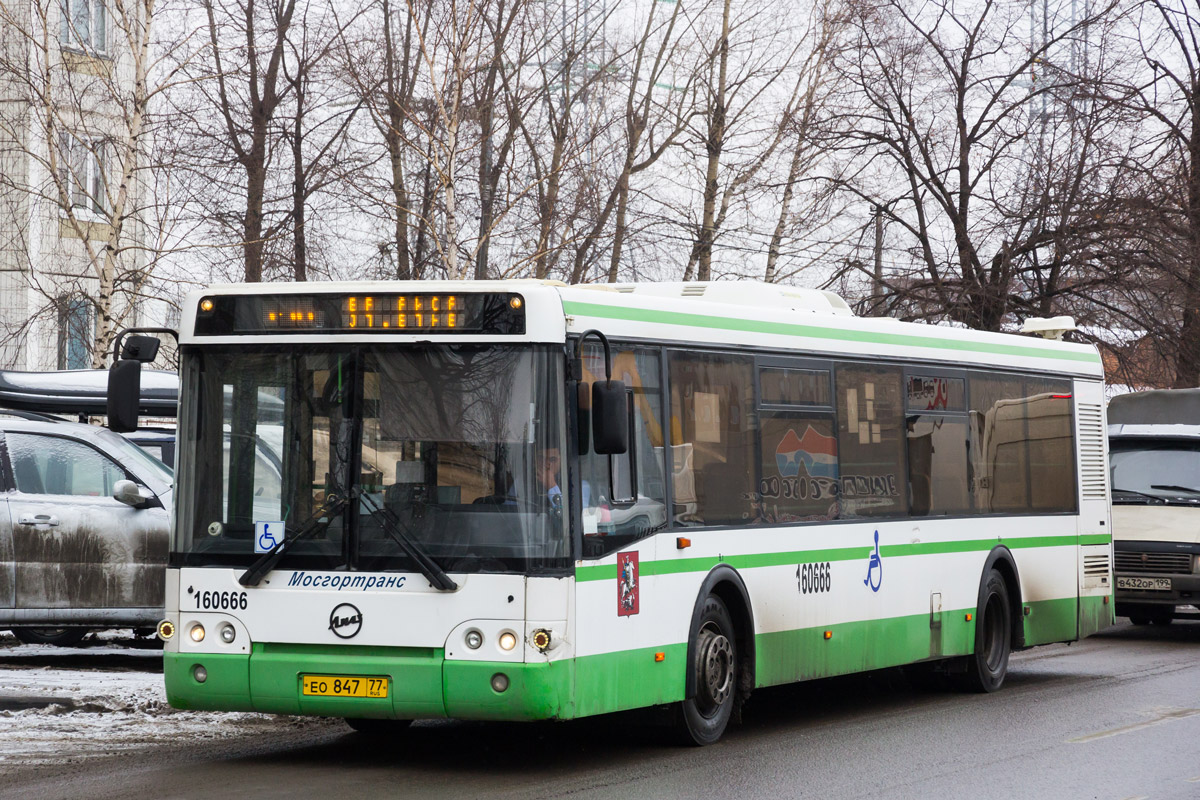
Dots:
(83, 541)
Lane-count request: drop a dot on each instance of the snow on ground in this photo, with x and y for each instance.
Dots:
(103, 698)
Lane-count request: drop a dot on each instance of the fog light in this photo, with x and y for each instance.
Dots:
(199, 673)
(508, 640)
(500, 682)
(166, 629)
(474, 639)
(197, 632)
(228, 634)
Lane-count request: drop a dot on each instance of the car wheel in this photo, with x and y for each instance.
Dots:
(62, 637)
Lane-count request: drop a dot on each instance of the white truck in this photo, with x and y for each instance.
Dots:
(1154, 452)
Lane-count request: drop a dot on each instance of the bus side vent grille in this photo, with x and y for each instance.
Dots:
(1095, 566)
(1093, 477)
(694, 289)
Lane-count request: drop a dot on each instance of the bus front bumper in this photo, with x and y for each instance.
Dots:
(422, 683)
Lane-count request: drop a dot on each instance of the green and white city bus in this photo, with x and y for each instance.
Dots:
(525, 500)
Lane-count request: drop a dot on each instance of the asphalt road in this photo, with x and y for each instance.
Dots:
(1116, 716)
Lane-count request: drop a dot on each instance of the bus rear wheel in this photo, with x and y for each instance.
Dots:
(704, 716)
(379, 727)
(987, 667)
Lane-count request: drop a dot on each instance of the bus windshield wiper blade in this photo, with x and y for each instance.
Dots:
(395, 529)
(319, 521)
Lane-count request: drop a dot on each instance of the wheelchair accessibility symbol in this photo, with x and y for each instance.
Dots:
(874, 568)
(267, 535)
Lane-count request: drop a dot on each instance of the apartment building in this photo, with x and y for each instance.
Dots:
(66, 87)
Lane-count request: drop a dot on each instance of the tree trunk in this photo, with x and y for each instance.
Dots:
(714, 145)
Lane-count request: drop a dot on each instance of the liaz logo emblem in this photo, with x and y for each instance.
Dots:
(345, 621)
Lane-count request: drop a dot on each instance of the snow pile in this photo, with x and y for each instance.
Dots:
(67, 704)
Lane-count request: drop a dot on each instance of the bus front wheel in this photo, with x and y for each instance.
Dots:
(988, 665)
(704, 716)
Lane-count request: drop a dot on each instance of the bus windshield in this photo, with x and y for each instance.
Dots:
(1155, 469)
(453, 447)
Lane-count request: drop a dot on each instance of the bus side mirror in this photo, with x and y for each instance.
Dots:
(142, 349)
(124, 395)
(610, 418)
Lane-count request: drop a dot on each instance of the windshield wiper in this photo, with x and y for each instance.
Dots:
(1153, 497)
(319, 521)
(395, 529)
(1173, 488)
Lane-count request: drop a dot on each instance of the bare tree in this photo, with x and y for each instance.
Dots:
(247, 41)
(945, 140)
(1159, 198)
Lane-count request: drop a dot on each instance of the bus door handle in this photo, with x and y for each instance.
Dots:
(38, 519)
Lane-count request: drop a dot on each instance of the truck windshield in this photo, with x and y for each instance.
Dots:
(444, 446)
(1155, 469)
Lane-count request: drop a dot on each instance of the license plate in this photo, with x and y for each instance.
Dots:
(1144, 584)
(344, 686)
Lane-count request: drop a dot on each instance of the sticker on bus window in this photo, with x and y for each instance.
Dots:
(627, 584)
(267, 535)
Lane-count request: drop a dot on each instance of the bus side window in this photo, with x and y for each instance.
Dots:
(936, 422)
(714, 438)
(871, 471)
(606, 525)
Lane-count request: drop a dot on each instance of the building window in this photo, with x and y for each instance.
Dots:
(74, 339)
(84, 25)
(81, 167)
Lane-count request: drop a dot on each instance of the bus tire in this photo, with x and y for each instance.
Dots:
(703, 717)
(62, 637)
(378, 727)
(987, 667)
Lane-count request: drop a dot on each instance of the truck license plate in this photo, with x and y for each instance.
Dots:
(344, 686)
(1144, 584)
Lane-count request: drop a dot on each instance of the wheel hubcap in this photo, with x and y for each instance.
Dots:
(715, 673)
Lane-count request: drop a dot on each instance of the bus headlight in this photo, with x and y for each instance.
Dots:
(197, 633)
(228, 634)
(474, 639)
(508, 640)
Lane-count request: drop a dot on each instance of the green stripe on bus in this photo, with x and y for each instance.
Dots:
(602, 572)
(816, 331)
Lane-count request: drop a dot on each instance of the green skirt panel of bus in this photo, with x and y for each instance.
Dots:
(421, 683)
